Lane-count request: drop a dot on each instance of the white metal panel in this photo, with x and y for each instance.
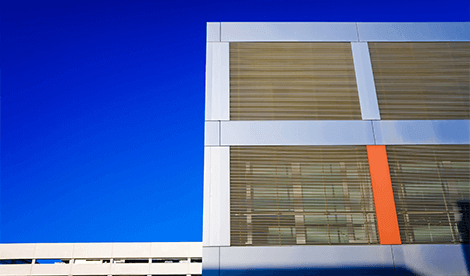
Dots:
(211, 133)
(170, 249)
(207, 194)
(422, 132)
(54, 250)
(220, 197)
(17, 251)
(135, 250)
(285, 257)
(213, 31)
(225, 196)
(169, 268)
(210, 261)
(208, 109)
(91, 269)
(365, 81)
(434, 31)
(195, 268)
(288, 31)
(15, 269)
(94, 250)
(430, 259)
(217, 81)
(296, 133)
(130, 269)
(50, 269)
(195, 249)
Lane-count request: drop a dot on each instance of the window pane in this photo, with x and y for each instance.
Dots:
(293, 81)
(325, 198)
(427, 181)
(422, 80)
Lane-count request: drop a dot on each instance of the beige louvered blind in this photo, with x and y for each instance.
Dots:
(293, 81)
(297, 195)
(422, 80)
(427, 182)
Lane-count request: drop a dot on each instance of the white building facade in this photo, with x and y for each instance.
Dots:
(151, 258)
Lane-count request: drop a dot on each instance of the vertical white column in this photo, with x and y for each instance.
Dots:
(217, 81)
(71, 265)
(216, 218)
(220, 197)
(207, 192)
(365, 81)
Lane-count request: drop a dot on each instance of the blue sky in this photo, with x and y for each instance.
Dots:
(103, 110)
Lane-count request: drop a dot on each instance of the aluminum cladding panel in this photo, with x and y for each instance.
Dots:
(288, 31)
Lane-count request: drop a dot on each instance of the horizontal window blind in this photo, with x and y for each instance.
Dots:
(297, 195)
(427, 181)
(293, 81)
(422, 80)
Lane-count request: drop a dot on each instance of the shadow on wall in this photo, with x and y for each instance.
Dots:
(464, 229)
(324, 271)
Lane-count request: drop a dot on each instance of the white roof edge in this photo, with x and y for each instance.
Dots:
(344, 31)
(100, 250)
(337, 22)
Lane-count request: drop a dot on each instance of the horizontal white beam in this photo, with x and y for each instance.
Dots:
(100, 250)
(343, 31)
(422, 132)
(272, 31)
(436, 31)
(296, 133)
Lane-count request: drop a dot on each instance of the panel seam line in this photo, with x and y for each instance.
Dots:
(393, 259)
(357, 32)
(220, 31)
(373, 132)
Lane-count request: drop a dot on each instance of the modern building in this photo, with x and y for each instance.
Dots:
(149, 258)
(336, 148)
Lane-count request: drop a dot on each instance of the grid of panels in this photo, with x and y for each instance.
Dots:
(422, 80)
(293, 81)
(427, 181)
(295, 195)
(273, 81)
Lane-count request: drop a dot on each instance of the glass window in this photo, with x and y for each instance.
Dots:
(427, 181)
(326, 198)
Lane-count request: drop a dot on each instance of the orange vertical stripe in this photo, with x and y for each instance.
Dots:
(387, 221)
